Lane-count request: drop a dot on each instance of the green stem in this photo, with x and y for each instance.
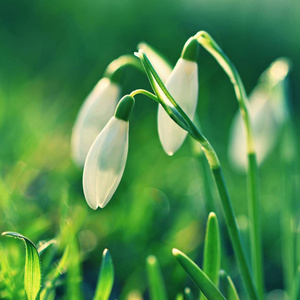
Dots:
(254, 204)
(255, 222)
(289, 160)
(215, 166)
(234, 233)
(145, 93)
(113, 69)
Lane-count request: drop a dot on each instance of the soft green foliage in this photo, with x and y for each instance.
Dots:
(156, 283)
(205, 285)
(32, 276)
(106, 277)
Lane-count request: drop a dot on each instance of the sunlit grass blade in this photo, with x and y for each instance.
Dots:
(106, 277)
(205, 285)
(32, 277)
(74, 272)
(212, 249)
(230, 290)
(44, 246)
(188, 295)
(52, 276)
(155, 279)
(295, 292)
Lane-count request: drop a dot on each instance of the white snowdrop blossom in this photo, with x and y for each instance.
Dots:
(183, 86)
(267, 109)
(106, 159)
(94, 113)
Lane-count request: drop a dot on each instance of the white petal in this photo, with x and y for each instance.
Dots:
(183, 86)
(105, 163)
(161, 66)
(95, 112)
(265, 120)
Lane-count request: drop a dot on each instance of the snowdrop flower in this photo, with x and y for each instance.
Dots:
(94, 113)
(268, 111)
(183, 86)
(106, 159)
(162, 67)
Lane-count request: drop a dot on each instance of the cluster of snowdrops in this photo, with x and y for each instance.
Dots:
(100, 146)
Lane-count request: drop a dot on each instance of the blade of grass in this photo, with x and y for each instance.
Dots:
(74, 272)
(106, 277)
(212, 250)
(206, 286)
(155, 279)
(32, 276)
(53, 276)
(230, 290)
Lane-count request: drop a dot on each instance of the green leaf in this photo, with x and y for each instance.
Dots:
(155, 279)
(106, 277)
(205, 285)
(53, 276)
(32, 277)
(230, 290)
(44, 245)
(74, 276)
(212, 250)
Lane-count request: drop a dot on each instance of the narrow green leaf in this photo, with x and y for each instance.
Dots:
(74, 277)
(43, 246)
(188, 295)
(206, 286)
(106, 277)
(212, 250)
(32, 278)
(155, 279)
(230, 290)
(53, 276)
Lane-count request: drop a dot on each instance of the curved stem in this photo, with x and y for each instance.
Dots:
(121, 62)
(253, 190)
(215, 166)
(144, 92)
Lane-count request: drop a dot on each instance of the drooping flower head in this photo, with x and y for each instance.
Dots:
(93, 115)
(106, 159)
(183, 86)
(268, 111)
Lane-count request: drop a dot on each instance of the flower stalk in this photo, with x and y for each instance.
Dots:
(253, 189)
(179, 116)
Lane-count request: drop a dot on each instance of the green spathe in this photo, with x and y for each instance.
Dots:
(124, 108)
(190, 50)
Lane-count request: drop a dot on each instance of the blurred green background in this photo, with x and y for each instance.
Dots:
(52, 53)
